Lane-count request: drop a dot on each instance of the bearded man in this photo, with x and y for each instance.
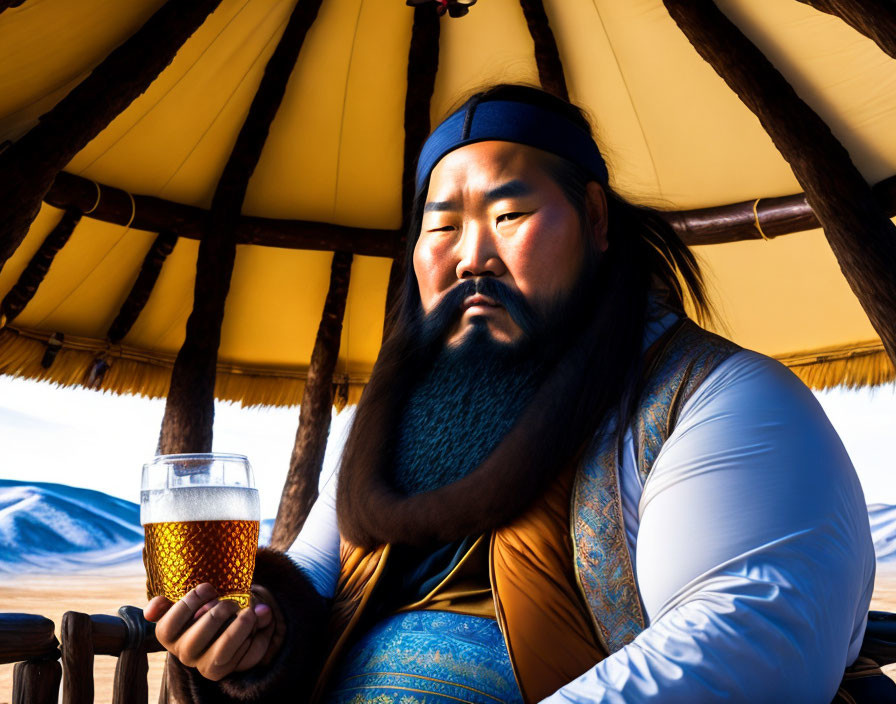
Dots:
(556, 487)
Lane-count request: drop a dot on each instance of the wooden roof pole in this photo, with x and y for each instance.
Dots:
(133, 305)
(547, 55)
(139, 294)
(781, 215)
(861, 235)
(876, 19)
(734, 222)
(315, 411)
(190, 408)
(423, 63)
(24, 289)
(29, 165)
(152, 214)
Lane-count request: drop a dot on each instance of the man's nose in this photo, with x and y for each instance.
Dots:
(478, 254)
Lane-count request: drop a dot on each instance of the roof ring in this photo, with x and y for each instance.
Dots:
(454, 8)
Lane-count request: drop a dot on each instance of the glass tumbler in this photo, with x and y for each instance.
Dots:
(200, 516)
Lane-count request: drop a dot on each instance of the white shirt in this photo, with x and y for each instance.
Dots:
(751, 547)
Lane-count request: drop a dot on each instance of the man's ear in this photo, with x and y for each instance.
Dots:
(596, 207)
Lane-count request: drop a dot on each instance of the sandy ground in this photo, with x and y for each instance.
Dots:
(51, 596)
(884, 599)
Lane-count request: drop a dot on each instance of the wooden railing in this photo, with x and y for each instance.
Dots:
(29, 641)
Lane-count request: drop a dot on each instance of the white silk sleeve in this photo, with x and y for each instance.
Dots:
(754, 558)
(316, 549)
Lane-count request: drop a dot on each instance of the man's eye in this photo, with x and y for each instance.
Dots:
(443, 228)
(504, 217)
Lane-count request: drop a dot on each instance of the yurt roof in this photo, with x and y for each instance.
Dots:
(330, 176)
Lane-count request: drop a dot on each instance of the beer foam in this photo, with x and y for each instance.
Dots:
(199, 503)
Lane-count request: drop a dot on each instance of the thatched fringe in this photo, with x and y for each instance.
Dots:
(133, 371)
(862, 364)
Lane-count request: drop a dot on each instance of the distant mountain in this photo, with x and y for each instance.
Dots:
(58, 528)
(883, 533)
(53, 527)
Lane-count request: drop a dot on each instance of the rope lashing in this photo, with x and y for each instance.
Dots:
(133, 210)
(756, 220)
(99, 195)
(138, 628)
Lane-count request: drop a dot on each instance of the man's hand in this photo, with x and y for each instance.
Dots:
(217, 637)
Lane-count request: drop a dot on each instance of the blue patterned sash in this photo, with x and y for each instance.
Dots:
(427, 657)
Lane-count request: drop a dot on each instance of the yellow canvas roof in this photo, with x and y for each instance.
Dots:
(674, 134)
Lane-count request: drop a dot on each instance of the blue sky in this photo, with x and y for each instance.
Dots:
(100, 441)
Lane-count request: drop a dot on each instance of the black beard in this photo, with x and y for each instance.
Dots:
(467, 399)
(591, 348)
(460, 410)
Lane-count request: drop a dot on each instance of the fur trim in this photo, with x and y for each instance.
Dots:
(294, 670)
(552, 431)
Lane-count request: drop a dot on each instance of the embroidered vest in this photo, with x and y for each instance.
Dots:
(561, 574)
(602, 561)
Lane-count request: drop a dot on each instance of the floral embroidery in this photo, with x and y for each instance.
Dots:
(428, 657)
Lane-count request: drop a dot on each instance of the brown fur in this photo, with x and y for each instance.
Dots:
(292, 674)
(553, 429)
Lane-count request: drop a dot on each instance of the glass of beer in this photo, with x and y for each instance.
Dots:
(200, 515)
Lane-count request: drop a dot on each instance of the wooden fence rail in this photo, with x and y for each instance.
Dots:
(127, 636)
(29, 641)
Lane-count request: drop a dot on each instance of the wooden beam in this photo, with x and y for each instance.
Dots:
(138, 297)
(30, 279)
(190, 408)
(300, 488)
(779, 216)
(157, 215)
(29, 165)
(27, 637)
(861, 235)
(423, 64)
(547, 55)
(876, 19)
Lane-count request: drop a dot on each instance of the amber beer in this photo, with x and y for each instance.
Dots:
(198, 534)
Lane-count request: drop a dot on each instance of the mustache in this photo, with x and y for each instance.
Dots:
(436, 323)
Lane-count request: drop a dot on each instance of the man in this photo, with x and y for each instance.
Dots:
(491, 537)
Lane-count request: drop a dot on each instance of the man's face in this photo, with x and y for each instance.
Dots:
(492, 211)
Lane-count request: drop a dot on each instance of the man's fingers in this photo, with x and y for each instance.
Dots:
(198, 636)
(257, 650)
(180, 614)
(264, 614)
(156, 608)
(230, 666)
(231, 640)
(202, 609)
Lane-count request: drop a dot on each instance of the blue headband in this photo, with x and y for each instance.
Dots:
(508, 121)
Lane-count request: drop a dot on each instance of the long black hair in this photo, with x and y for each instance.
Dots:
(595, 374)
